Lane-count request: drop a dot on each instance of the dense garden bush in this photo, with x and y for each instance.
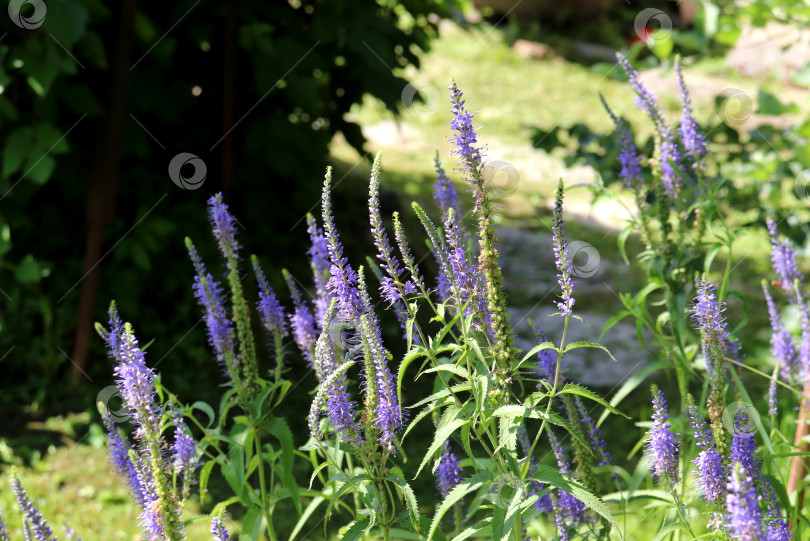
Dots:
(711, 468)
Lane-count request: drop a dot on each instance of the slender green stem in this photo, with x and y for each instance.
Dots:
(447, 385)
(551, 395)
(262, 486)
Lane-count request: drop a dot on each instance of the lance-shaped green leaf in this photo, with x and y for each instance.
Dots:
(587, 344)
(459, 491)
(410, 498)
(573, 388)
(546, 474)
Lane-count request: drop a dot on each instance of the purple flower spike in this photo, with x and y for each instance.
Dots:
(594, 434)
(743, 446)
(645, 99)
(669, 159)
(772, 401)
(803, 364)
(319, 261)
(122, 463)
(691, 137)
(707, 315)
(184, 449)
(663, 448)
(783, 258)
(711, 474)
(388, 418)
(668, 155)
(223, 225)
(304, 328)
(744, 518)
(543, 504)
(340, 407)
(342, 282)
(568, 510)
(34, 522)
(444, 193)
(3, 532)
(562, 257)
(464, 283)
(270, 310)
(218, 530)
(546, 363)
(778, 531)
(465, 138)
(114, 332)
(385, 253)
(782, 347)
(208, 293)
(628, 156)
(448, 472)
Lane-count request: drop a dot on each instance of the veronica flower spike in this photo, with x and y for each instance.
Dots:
(628, 156)
(668, 156)
(783, 258)
(448, 472)
(218, 322)
(711, 476)
(319, 262)
(692, 138)
(218, 530)
(340, 407)
(161, 515)
(782, 347)
(342, 282)
(33, 521)
(3, 532)
(663, 448)
(562, 257)
(444, 193)
(707, 315)
(471, 161)
(382, 403)
(224, 229)
(385, 253)
(744, 518)
(303, 323)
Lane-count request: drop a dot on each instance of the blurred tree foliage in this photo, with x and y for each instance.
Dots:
(96, 98)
